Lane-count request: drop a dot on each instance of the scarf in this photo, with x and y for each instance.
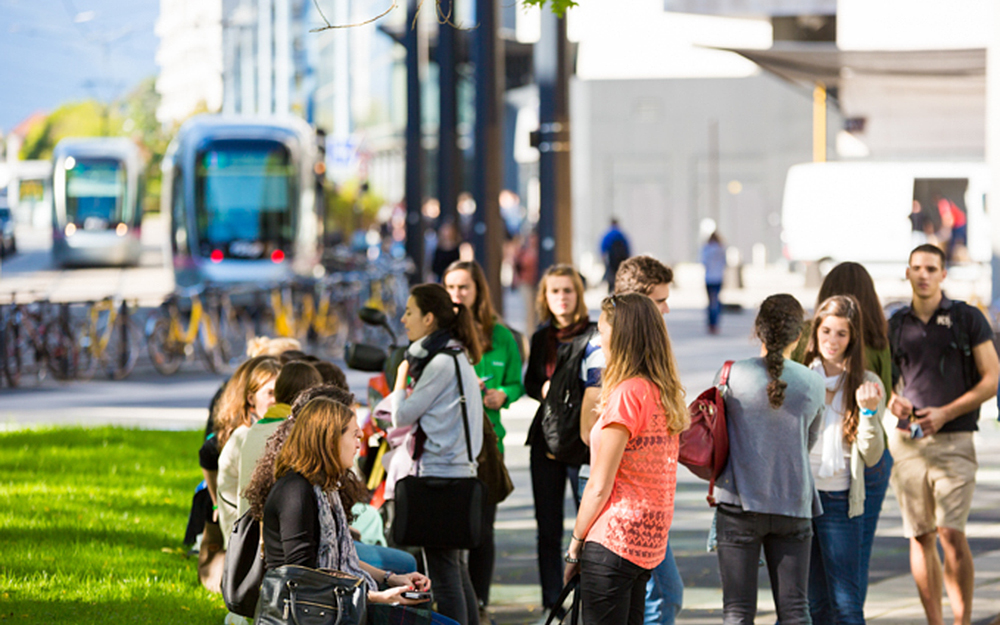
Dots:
(832, 452)
(554, 336)
(423, 350)
(336, 547)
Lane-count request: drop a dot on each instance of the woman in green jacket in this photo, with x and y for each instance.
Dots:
(499, 372)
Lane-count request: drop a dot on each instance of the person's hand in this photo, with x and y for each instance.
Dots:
(573, 553)
(416, 581)
(393, 596)
(571, 570)
(868, 395)
(931, 420)
(215, 514)
(901, 407)
(545, 388)
(494, 399)
(402, 372)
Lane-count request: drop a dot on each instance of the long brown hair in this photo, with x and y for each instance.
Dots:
(482, 309)
(233, 408)
(456, 318)
(844, 307)
(262, 478)
(640, 347)
(542, 304)
(313, 446)
(778, 324)
(853, 279)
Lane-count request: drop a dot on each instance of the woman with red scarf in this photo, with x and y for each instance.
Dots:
(563, 316)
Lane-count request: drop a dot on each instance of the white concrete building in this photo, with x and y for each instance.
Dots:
(189, 57)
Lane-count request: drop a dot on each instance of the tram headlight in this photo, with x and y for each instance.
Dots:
(121, 230)
(70, 229)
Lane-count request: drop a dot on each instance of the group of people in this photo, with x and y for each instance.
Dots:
(813, 447)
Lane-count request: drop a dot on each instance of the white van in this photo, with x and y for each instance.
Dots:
(876, 212)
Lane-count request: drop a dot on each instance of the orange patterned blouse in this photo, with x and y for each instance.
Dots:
(636, 519)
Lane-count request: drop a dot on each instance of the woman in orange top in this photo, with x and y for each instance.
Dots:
(625, 513)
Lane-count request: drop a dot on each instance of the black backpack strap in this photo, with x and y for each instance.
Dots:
(960, 338)
(895, 338)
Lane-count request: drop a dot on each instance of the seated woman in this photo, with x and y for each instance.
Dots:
(304, 516)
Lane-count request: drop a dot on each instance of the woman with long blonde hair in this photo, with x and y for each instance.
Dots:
(625, 513)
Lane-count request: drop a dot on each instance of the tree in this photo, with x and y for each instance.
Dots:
(559, 7)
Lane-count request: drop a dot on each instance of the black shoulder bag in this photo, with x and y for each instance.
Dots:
(441, 512)
(561, 406)
(243, 569)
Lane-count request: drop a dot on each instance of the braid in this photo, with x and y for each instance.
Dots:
(778, 325)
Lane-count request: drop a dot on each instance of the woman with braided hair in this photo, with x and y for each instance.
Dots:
(766, 494)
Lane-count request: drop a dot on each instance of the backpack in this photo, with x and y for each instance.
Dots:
(618, 252)
(243, 570)
(562, 404)
(704, 447)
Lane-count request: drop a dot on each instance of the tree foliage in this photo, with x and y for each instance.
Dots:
(559, 7)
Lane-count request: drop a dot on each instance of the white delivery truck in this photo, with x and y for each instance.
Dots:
(867, 211)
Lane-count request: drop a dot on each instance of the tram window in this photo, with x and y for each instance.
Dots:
(95, 193)
(178, 221)
(245, 198)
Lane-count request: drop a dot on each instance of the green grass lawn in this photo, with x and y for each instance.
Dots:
(91, 524)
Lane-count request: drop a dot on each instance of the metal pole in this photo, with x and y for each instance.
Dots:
(552, 67)
(488, 233)
(449, 171)
(414, 191)
(993, 147)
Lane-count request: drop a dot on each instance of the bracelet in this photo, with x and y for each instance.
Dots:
(579, 540)
(571, 560)
(388, 574)
(867, 413)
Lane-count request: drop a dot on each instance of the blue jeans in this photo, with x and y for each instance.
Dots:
(665, 588)
(386, 558)
(835, 566)
(664, 592)
(714, 304)
(876, 483)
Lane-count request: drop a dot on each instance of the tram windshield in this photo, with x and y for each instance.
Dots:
(95, 192)
(245, 196)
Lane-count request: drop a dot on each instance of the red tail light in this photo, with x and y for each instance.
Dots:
(277, 256)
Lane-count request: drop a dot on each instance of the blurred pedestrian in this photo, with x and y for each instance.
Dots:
(621, 530)
(713, 257)
(851, 438)
(526, 278)
(447, 250)
(615, 249)
(769, 499)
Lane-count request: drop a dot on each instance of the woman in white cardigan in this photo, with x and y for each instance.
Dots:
(851, 438)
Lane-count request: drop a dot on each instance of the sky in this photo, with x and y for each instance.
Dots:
(53, 52)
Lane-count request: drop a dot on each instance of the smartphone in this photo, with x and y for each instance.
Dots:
(417, 595)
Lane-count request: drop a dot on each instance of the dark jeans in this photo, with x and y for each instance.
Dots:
(614, 589)
(714, 305)
(835, 564)
(482, 558)
(451, 585)
(876, 483)
(786, 541)
(548, 485)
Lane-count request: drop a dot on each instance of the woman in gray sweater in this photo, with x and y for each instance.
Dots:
(766, 492)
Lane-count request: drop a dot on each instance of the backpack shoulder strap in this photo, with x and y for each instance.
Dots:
(724, 376)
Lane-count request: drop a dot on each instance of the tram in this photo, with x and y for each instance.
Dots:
(97, 189)
(240, 193)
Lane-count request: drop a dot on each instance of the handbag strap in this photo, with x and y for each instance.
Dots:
(465, 409)
(572, 586)
(724, 376)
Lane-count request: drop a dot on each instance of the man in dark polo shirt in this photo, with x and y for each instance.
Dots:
(943, 352)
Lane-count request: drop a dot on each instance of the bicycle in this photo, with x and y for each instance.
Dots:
(170, 343)
(37, 342)
(235, 327)
(109, 339)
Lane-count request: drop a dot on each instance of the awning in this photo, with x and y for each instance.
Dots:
(808, 63)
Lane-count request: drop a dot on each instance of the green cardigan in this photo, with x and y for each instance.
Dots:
(501, 369)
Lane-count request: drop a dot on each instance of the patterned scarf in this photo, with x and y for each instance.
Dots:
(423, 350)
(336, 547)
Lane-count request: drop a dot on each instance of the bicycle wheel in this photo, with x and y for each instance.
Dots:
(166, 353)
(61, 352)
(11, 355)
(235, 331)
(210, 354)
(118, 358)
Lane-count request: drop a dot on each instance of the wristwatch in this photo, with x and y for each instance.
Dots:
(388, 574)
